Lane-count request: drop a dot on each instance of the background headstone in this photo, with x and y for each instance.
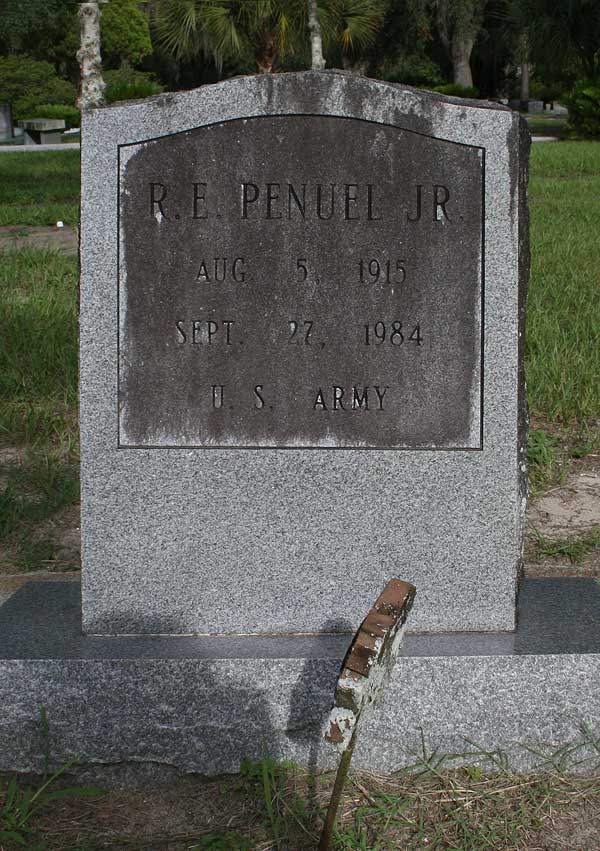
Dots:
(301, 362)
(42, 131)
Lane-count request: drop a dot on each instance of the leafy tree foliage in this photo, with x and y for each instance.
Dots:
(584, 109)
(26, 83)
(414, 69)
(125, 33)
(128, 84)
(403, 47)
(69, 114)
(44, 29)
(559, 31)
(486, 43)
(406, 28)
(263, 29)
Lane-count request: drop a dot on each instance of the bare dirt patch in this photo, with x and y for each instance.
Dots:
(63, 239)
(443, 810)
(567, 512)
(63, 535)
(10, 456)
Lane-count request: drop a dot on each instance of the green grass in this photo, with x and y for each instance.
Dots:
(31, 493)
(38, 356)
(575, 549)
(223, 842)
(36, 490)
(432, 805)
(38, 323)
(563, 318)
(38, 400)
(23, 802)
(39, 188)
(548, 460)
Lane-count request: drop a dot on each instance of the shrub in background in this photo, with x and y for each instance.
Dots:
(415, 70)
(70, 114)
(125, 33)
(584, 108)
(27, 84)
(457, 91)
(539, 90)
(128, 84)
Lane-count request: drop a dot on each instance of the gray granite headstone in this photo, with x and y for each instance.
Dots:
(6, 124)
(301, 357)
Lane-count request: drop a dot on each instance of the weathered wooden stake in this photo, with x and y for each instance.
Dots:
(336, 796)
(365, 672)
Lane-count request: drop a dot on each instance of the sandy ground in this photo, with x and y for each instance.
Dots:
(180, 816)
(565, 512)
(63, 239)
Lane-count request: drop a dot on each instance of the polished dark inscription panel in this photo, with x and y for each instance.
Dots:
(300, 281)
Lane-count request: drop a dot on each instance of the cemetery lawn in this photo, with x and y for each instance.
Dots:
(39, 486)
(39, 188)
(563, 311)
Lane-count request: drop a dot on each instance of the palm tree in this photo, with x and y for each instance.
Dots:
(352, 26)
(268, 30)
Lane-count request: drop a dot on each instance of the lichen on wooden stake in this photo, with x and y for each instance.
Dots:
(368, 664)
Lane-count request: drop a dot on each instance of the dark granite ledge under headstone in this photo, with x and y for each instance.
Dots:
(42, 621)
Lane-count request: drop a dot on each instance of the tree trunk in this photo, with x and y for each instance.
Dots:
(524, 95)
(92, 86)
(461, 56)
(267, 53)
(316, 39)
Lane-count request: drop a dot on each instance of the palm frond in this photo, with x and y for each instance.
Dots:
(359, 23)
(179, 29)
(221, 29)
(286, 44)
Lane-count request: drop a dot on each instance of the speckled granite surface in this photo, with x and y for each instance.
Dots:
(179, 704)
(183, 540)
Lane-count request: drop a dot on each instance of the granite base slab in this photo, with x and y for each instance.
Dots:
(160, 705)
